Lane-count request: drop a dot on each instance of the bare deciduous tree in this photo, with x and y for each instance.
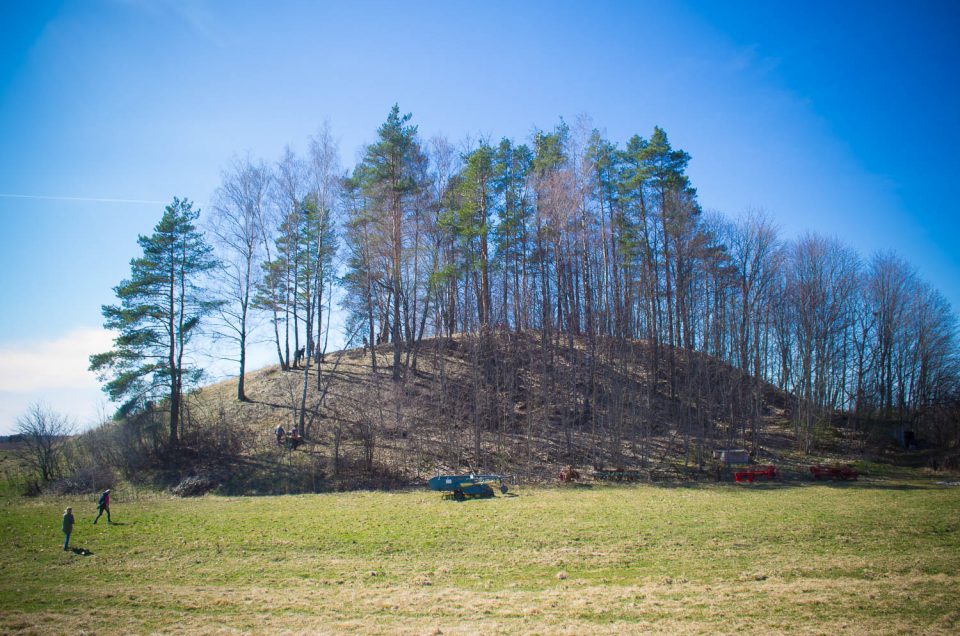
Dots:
(43, 433)
(238, 225)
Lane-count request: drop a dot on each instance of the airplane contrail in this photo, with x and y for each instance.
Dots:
(86, 199)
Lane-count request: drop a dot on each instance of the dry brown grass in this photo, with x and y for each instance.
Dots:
(571, 607)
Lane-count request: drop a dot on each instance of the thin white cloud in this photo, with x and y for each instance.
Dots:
(53, 372)
(84, 199)
(51, 365)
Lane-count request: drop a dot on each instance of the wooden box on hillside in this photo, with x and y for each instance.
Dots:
(732, 456)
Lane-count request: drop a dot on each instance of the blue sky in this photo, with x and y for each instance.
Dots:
(834, 117)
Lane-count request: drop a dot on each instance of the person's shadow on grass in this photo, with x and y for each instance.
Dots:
(82, 551)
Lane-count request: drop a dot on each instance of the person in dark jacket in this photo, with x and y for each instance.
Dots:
(103, 506)
(67, 527)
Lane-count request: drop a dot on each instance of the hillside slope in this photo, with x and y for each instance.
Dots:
(521, 405)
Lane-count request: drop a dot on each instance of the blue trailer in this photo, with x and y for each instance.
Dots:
(463, 486)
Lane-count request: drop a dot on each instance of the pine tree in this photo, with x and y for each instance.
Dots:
(392, 184)
(161, 306)
(477, 195)
(512, 168)
(360, 278)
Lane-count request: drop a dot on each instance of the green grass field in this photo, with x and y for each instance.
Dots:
(880, 557)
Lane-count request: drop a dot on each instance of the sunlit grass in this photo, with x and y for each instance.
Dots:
(862, 558)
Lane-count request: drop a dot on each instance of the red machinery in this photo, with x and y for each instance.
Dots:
(755, 472)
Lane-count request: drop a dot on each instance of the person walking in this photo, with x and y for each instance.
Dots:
(103, 506)
(67, 527)
(279, 432)
(295, 439)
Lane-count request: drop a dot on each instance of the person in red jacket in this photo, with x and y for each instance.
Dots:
(103, 506)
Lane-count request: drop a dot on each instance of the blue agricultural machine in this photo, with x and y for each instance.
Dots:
(463, 486)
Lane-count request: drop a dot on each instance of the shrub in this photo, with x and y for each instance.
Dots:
(196, 485)
(83, 479)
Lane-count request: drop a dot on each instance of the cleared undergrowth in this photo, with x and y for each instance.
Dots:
(872, 557)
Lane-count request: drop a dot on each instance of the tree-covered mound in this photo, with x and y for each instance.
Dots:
(524, 405)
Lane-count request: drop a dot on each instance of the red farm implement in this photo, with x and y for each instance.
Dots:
(843, 473)
(755, 472)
